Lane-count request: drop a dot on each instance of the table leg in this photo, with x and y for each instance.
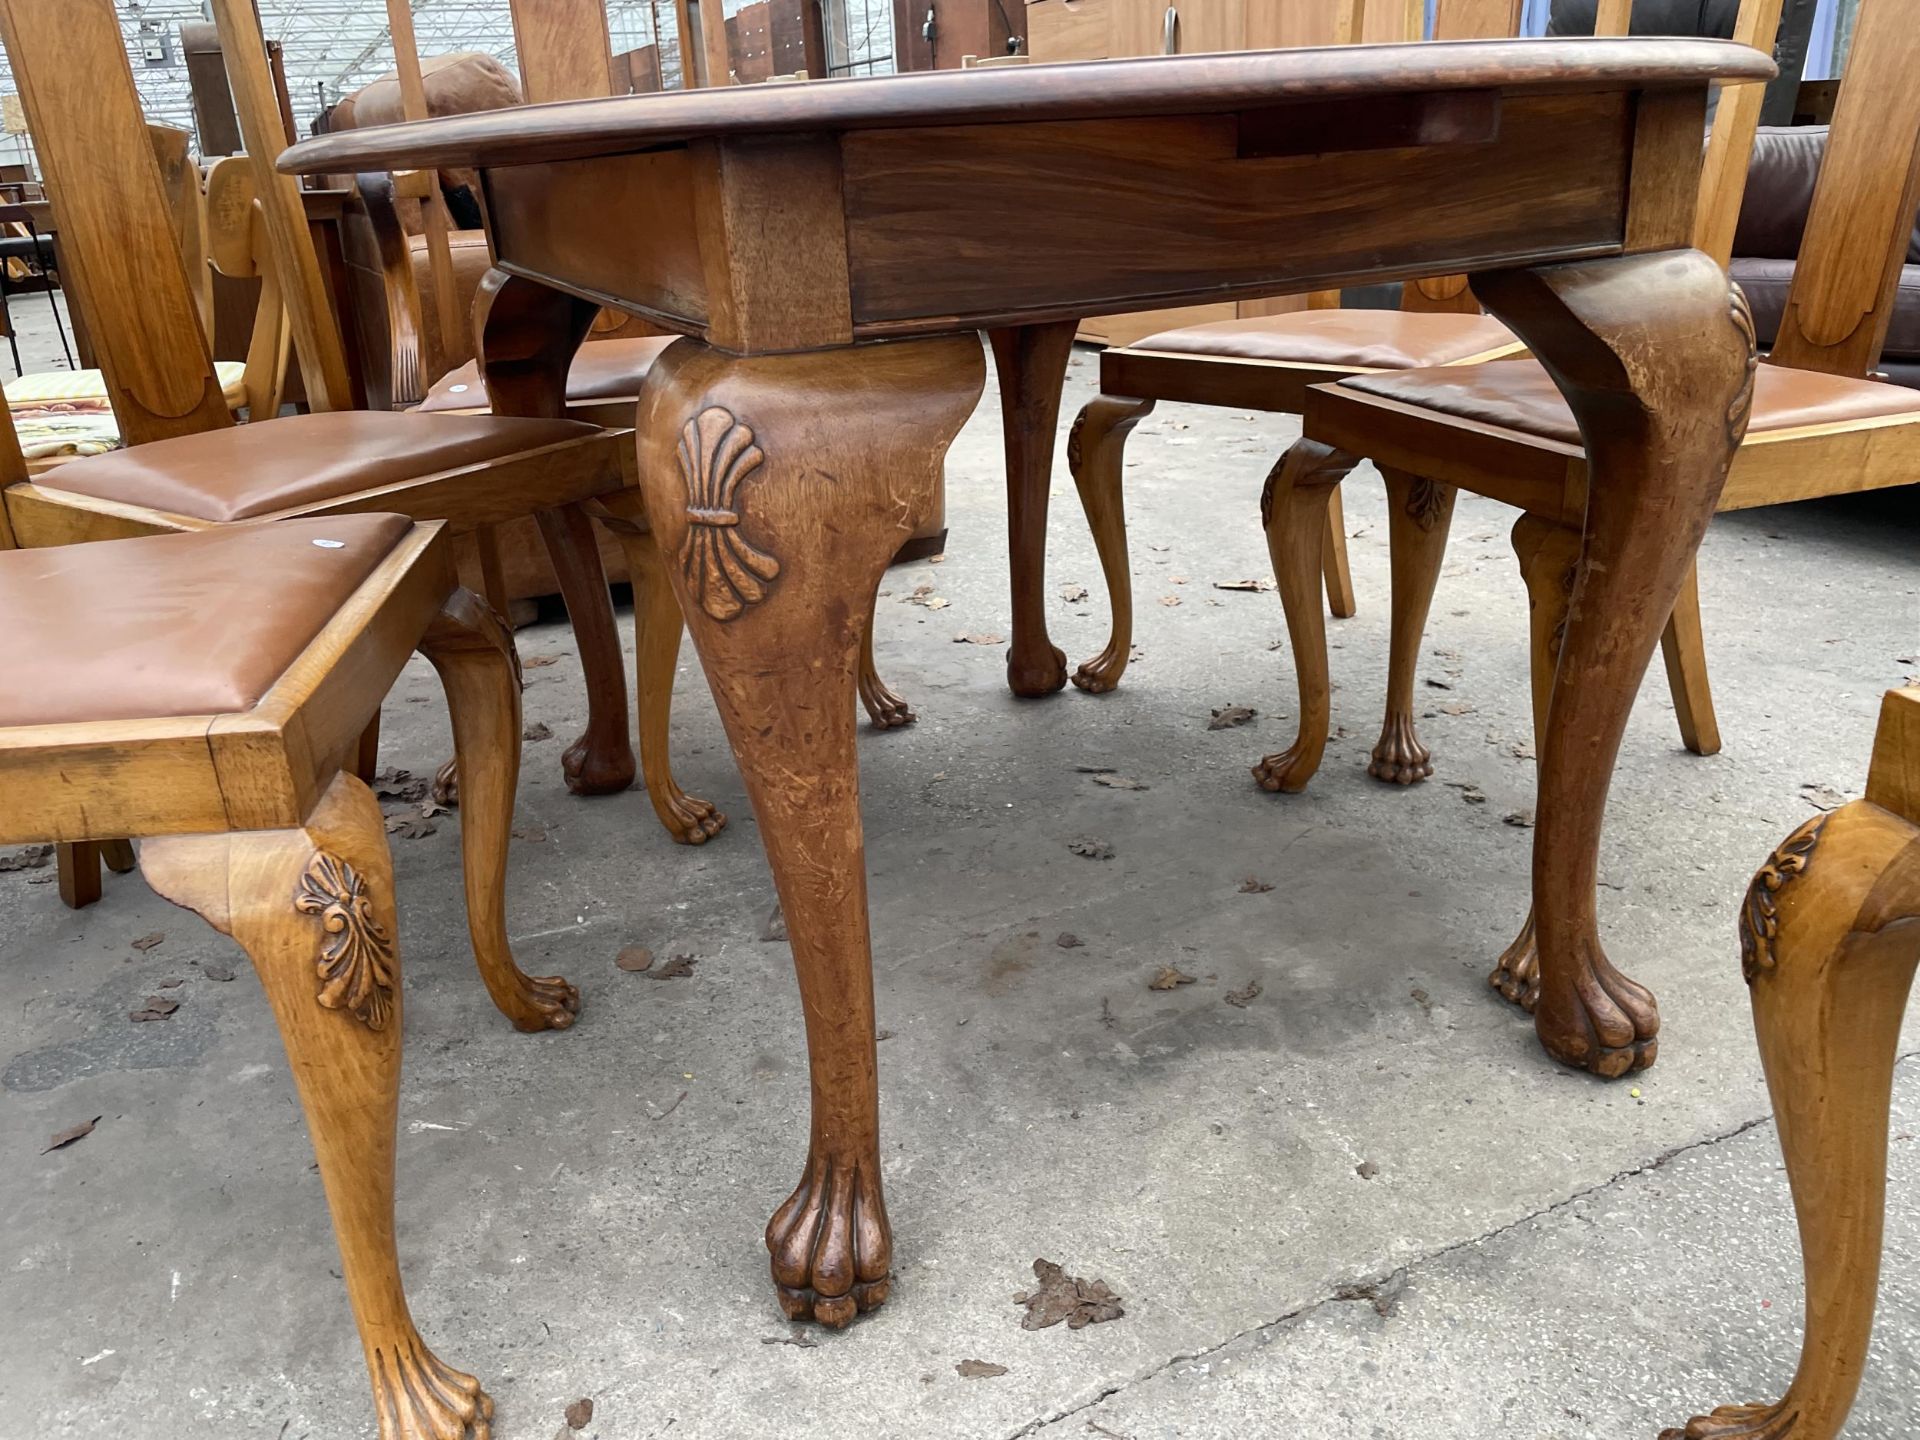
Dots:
(528, 335)
(1655, 355)
(1031, 361)
(779, 487)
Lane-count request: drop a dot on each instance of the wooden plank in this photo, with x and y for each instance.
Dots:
(1893, 782)
(562, 47)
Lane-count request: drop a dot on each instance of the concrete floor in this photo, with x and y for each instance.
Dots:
(580, 1213)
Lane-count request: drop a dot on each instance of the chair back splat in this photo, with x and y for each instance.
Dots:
(116, 235)
(1841, 301)
(563, 48)
(303, 288)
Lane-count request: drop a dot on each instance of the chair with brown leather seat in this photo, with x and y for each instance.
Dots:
(189, 466)
(207, 691)
(1818, 425)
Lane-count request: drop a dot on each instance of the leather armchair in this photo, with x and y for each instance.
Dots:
(1786, 161)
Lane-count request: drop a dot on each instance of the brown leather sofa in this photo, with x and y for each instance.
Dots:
(1773, 215)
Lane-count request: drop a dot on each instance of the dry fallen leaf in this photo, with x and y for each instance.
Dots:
(1243, 998)
(532, 834)
(1469, 792)
(1169, 978)
(1254, 885)
(539, 662)
(172, 982)
(1069, 941)
(149, 940)
(1821, 797)
(157, 1007)
(799, 1339)
(216, 972)
(1169, 600)
(1519, 819)
(580, 1413)
(538, 730)
(1255, 586)
(634, 958)
(410, 826)
(1366, 1170)
(985, 639)
(66, 1137)
(1073, 594)
(1090, 846)
(401, 785)
(1066, 1297)
(979, 1369)
(678, 968)
(1120, 782)
(1439, 684)
(1228, 716)
(1177, 579)
(34, 857)
(1455, 707)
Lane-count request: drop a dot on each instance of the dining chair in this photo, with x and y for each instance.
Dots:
(1829, 941)
(187, 466)
(206, 692)
(1818, 425)
(1265, 364)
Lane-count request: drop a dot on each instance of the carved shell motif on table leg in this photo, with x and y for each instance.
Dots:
(1760, 913)
(356, 957)
(1425, 500)
(724, 573)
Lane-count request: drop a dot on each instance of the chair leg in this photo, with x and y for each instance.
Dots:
(1419, 514)
(886, 710)
(1096, 457)
(1293, 510)
(469, 645)
(1683, 646)
(313, 909)
(1549, 557)
(657, 626)
(1031, 361)
(1333, 564)
(117, 856)
(79, 868)
(366, 759)
(601, 761)
(1829, 940)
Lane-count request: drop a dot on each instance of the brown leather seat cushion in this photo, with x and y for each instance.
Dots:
(1341, 339)
(251, 470)
(1518, 395)
(601, 370)
(195, 624)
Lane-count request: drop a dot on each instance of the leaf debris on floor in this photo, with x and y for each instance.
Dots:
(1061, 1296)
(1120, 782)
(634, 959)
(1254, 885)
(401, 785)
(1519, 819)
(979, 1369)
(1242, 998)
(678, 968)
(799, 1339)
(774, 927)
(1169, 978)
(33, 857)
(538, 730)
(156, 1007)
(1229, 716)
(580, 1413)
(1067, 940)
(149, 940)
(63, 1138)
(1091, 846)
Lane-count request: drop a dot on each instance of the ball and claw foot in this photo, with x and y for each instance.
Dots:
(832, 1249)
(885, 709)
(545, 1002)
(1739, 1422)
(420, 1397)
(1102, 673)
(689, 820)
(1608, 1025)
(1286, 771)
(1032, 677)
(445, 789)
(1516, 974)
(590, 774)
(1399, 758)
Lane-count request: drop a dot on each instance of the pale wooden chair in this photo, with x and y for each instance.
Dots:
(1818, 426)
(206, 692)
(187, 466)
(1829, 942)
(1266, 364)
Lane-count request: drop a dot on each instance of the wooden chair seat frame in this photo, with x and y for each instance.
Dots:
(255, 821)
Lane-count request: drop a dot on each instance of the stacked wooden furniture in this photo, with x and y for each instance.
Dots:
(1829, 942)
(1111, 29)
(1817, 426)
(188, 466)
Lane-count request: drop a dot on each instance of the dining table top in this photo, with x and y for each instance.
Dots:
(1080, 90)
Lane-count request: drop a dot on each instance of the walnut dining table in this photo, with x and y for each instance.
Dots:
(830, 250)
